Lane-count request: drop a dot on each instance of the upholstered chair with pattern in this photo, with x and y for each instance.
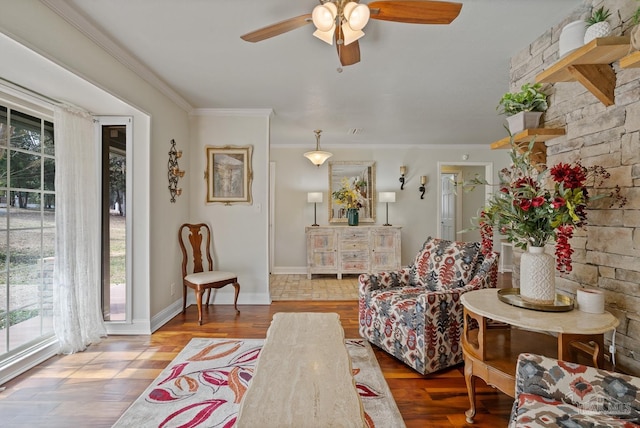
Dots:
(550, 392)
(415, 314)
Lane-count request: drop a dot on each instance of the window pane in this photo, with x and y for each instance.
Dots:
(25, 131)
(3, 168)
(25, 212)
(3, 210)
(24, 306)
(3, 126)
(25, 251)
(4, 319)
(47, 143)
(49, 174)
(25, 170)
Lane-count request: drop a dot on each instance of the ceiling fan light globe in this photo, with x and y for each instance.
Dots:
(324, 16)
(325, 36)
(349, 35)
(357, 15)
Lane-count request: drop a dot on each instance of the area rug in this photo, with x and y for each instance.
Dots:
(204, 384)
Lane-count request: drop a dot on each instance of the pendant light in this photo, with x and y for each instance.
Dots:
(317, 157)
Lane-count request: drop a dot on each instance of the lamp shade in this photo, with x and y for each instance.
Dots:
(318, 157)
(324, 16)
(357, 15)
(350, 35)
(314, 197)
(387, 196)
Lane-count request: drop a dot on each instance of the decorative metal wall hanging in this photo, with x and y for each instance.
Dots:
(174, 172)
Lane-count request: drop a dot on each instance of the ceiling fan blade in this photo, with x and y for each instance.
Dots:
(277, 29)
(416, 11)
(348, 54)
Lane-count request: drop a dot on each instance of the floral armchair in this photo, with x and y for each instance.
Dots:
(550, 392)
(415, 313)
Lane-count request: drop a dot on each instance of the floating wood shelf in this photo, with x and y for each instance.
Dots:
(591, 66)
(631, 61)
(522, 139)
(540, 135)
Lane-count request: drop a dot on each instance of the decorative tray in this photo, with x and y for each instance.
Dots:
(512, 296)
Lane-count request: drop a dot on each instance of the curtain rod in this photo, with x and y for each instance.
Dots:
(41, 97)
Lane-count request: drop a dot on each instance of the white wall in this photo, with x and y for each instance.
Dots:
(240, 231)
(295, 176)
(54, 59)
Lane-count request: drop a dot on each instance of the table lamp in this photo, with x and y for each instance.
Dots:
(314, 197)
(387, 197)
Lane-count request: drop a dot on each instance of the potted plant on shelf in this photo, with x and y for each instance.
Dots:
(597, 25)
(523, 109)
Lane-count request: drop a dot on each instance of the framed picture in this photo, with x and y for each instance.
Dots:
(229, 174)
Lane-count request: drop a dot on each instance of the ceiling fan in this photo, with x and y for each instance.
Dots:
(343, 21)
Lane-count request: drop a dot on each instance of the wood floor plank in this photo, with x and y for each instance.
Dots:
(94, 388)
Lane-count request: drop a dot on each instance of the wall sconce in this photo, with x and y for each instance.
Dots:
(423, 181)
(387, 197)
(174, 173)
(314, 197)
(403, 171)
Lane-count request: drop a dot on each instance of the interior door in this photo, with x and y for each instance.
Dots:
(448, 214)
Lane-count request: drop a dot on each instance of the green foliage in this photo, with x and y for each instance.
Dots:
(16, 317)
(347, 195)
(636, 16)
(530, 98)
(599, 15)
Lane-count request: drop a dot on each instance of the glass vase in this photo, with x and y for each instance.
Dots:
(352, 216)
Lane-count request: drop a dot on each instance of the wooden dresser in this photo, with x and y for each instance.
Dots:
(352, 249)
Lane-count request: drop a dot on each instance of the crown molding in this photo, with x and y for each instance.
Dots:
(386, 146)
(246, 112)
(90, 30)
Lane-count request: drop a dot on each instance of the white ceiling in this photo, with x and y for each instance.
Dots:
(416, 84)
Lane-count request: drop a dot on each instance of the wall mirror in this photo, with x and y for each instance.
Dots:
(359, 177)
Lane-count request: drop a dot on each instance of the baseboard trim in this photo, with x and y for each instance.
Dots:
(289, 270)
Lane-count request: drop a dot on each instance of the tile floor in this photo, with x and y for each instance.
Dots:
(319, 287)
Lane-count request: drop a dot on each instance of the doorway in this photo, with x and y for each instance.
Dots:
(116, 286)
(456, 207)
(451, 205)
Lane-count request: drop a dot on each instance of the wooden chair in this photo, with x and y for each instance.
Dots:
(193, 273)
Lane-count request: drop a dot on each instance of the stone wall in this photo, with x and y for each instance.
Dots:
(607, 252)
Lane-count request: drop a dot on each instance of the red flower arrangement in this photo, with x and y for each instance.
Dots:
(531, 209)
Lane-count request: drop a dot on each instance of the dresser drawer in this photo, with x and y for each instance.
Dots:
(354, 235)
(354, 246)
(355, 266)
(346, 256)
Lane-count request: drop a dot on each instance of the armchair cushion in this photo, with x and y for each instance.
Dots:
(442, 266)
(558, 393)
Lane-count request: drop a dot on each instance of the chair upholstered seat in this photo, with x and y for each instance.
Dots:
(415, 313)
(206, 277)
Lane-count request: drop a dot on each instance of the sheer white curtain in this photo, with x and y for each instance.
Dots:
(77, 316)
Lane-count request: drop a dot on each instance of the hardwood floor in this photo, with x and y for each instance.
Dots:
(93, 388)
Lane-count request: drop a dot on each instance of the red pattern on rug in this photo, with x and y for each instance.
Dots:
(205, 383)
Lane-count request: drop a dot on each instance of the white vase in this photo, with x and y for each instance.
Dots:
(523, 120)
(537, 276)
(571, 37)
(599, 29)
